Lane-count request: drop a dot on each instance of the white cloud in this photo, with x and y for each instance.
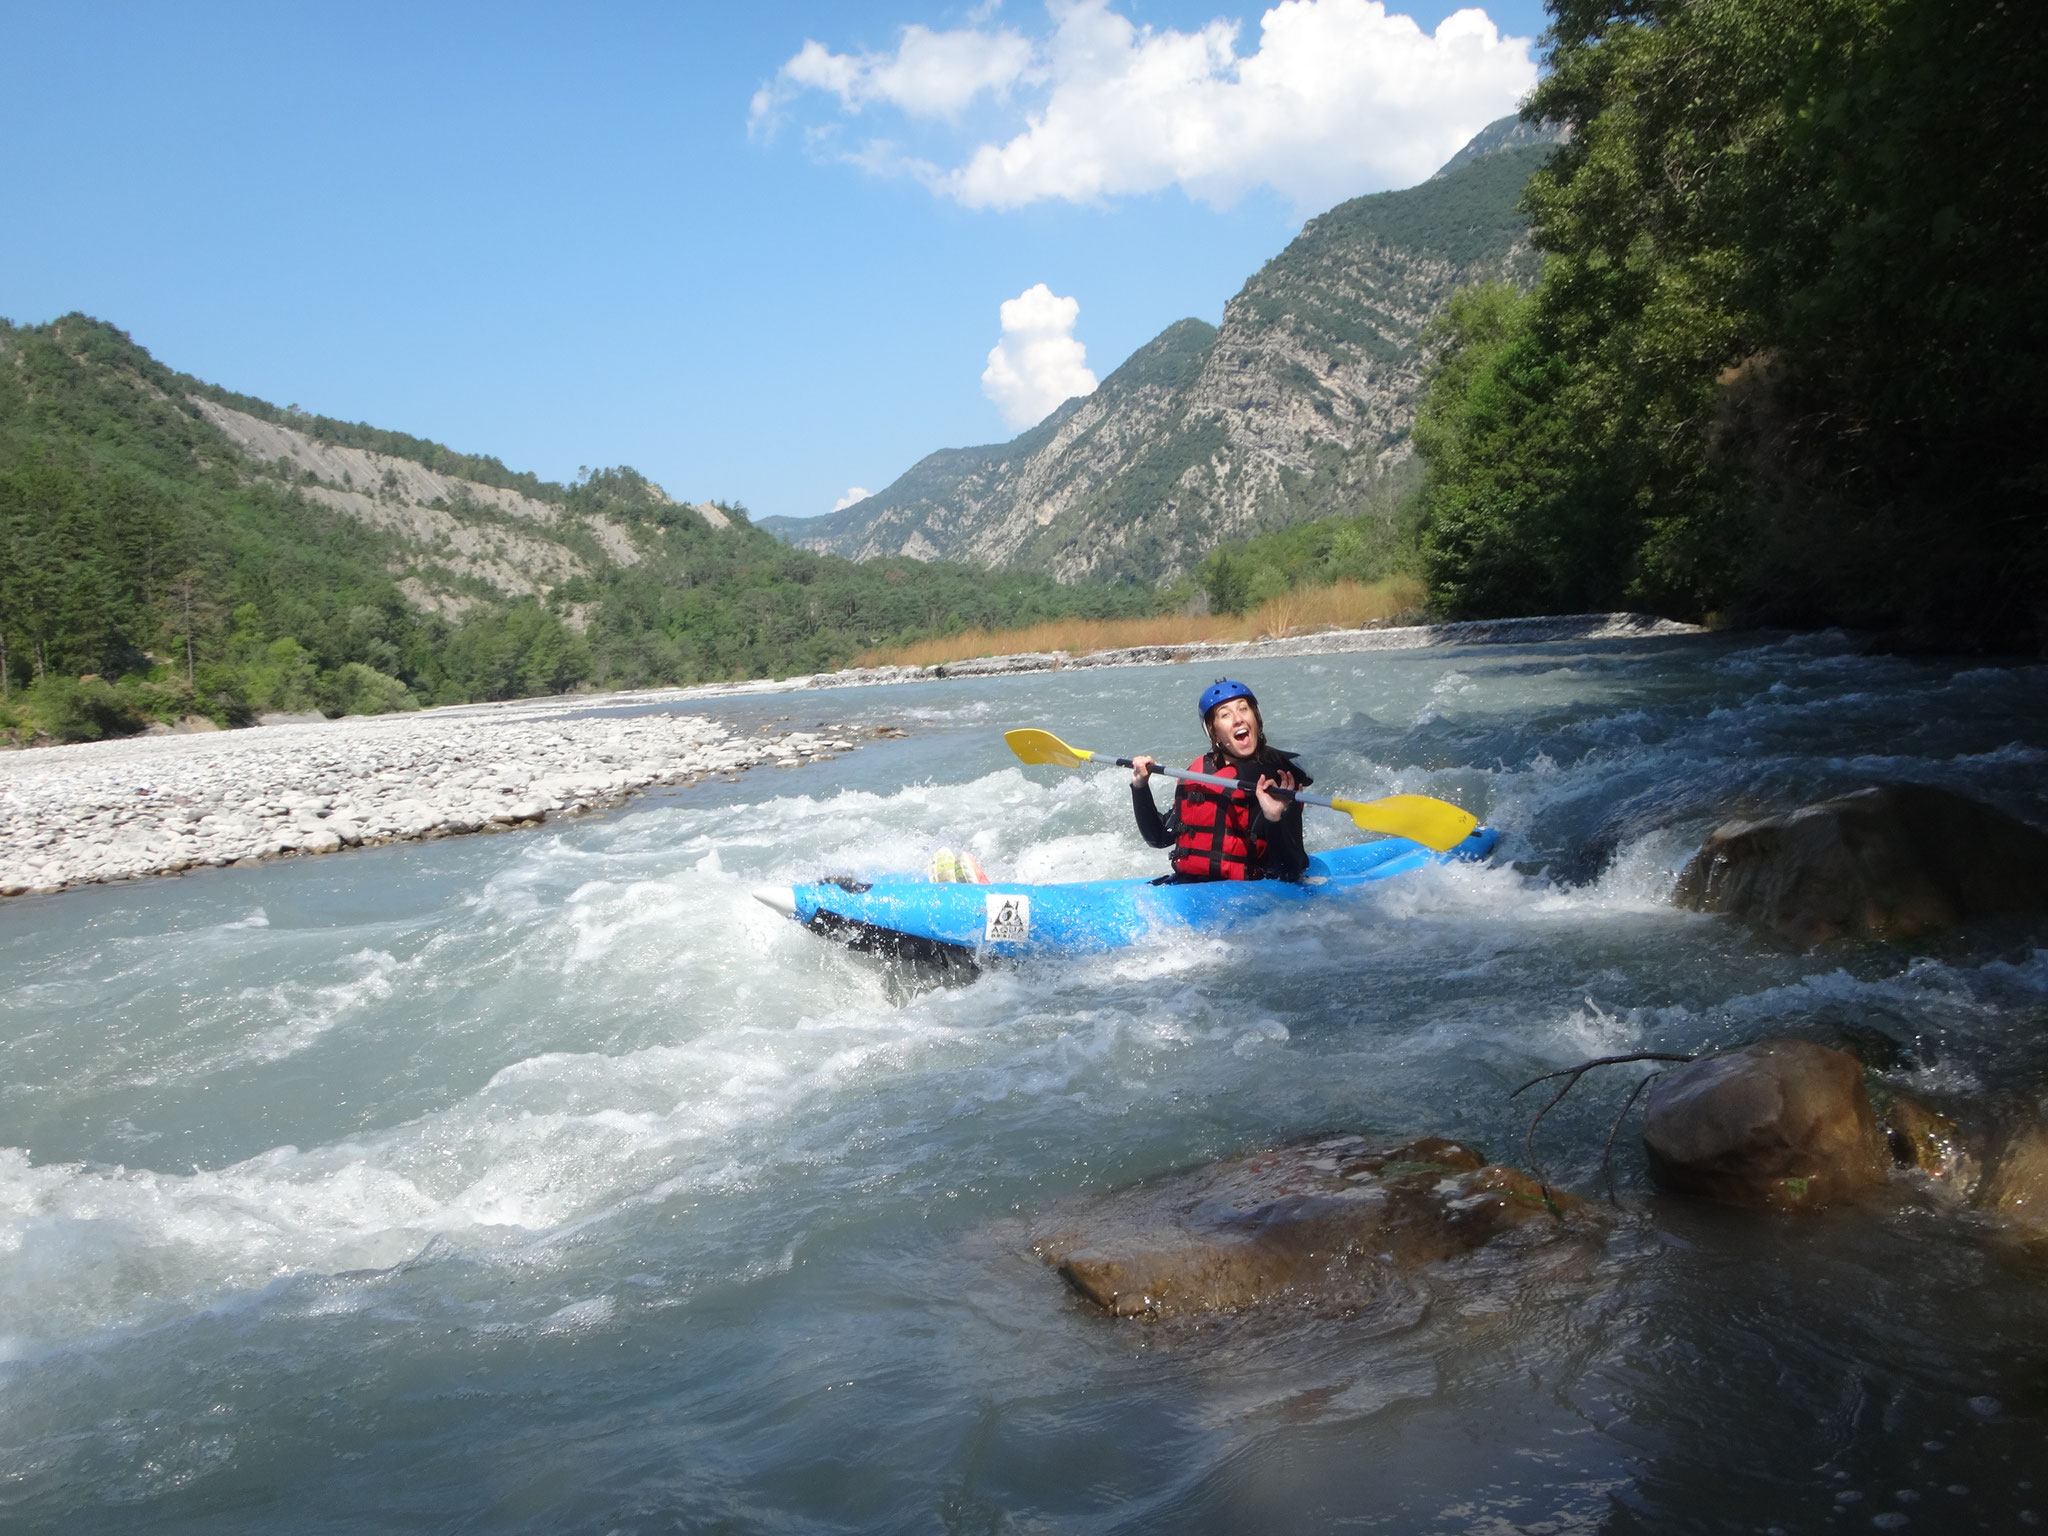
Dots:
(853, 493)
(931, 74)
(1339, 97)
(1038, 363)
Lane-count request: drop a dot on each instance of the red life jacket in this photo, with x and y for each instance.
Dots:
(1216, 841)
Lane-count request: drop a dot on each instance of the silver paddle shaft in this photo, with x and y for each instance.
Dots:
(1233, 786)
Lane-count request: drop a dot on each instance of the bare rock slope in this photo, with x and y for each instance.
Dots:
(448, 530)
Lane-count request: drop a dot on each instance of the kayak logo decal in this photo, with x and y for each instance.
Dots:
(1009, 919)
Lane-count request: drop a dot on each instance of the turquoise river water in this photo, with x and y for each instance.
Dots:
(545, 1182)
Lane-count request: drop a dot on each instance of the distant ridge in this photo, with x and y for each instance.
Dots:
(1297, 406)
(1506, 133)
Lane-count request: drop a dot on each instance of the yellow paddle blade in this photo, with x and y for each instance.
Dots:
(1433, 823)
(1044, 747)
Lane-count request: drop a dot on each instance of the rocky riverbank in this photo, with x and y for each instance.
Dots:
(115, 810)
(152, 805)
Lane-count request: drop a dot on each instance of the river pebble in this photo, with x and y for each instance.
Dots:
(152, 805)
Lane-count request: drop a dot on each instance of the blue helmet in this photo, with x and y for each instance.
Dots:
(1220, 690)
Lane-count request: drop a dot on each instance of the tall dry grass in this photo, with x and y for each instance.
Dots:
(1341, 605)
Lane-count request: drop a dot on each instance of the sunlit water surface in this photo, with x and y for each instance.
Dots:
(546, 1182)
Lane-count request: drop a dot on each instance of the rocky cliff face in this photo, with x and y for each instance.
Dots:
(1298, 406)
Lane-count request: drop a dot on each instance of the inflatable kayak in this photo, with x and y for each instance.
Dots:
(950, 924)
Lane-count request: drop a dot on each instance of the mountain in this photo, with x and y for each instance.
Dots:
(995, 506)
(1297, 406)
(169, 547)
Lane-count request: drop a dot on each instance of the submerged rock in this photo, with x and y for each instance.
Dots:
(1327, 1217)
(1924, 1139)
(1788, 1125)
(2016, 1187)
(1885, 863)
(1780, 1125)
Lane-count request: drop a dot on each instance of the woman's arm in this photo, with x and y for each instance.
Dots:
(1159, 833)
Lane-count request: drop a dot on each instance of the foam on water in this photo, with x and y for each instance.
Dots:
(762, 1026)
(574, 1090)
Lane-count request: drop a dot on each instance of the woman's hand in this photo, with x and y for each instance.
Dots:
(1141, 769)
(1270, 803)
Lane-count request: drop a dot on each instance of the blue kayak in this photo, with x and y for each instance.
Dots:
(945, 923)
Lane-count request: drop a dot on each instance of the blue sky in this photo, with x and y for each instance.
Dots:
(672, 236)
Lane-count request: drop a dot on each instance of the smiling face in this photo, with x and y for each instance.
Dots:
(1234, 726)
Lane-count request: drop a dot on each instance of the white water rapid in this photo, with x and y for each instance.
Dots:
(549, 1182)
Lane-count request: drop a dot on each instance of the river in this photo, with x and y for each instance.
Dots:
(545, 1182)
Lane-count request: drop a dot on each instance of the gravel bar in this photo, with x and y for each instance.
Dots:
(152, 805)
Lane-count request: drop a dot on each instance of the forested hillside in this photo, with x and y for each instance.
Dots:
(1789, 358)
(1297, 407)
(186, 550)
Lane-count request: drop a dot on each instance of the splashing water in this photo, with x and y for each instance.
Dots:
(547, 1182)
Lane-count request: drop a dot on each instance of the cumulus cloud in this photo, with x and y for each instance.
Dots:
(1339, 97)
(1038, 363)
(853, 493)
(931, 74)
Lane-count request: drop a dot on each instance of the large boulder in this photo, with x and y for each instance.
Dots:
(1780, 1125)
(1329, 1217)
(1787, 1125)
(1886, 863)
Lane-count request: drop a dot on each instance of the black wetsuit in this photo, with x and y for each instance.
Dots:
(1285, 858)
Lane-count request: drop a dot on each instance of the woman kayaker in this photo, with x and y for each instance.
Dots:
(1249, 834)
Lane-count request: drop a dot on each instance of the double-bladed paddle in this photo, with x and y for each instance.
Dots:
(1433, 823)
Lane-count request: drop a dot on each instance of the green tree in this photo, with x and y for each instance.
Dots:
(1786, 359)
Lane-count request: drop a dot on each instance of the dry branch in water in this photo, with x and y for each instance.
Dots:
(1572, 1076)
